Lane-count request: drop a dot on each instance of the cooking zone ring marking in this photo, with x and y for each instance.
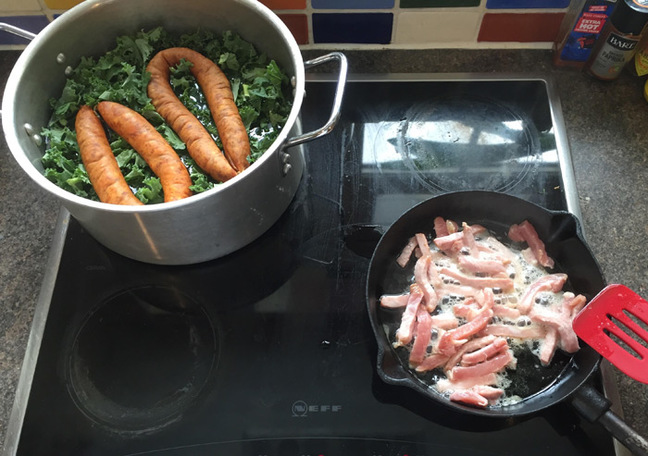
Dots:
(141, 358)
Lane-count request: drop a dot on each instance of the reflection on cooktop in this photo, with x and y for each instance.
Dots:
(457, 143)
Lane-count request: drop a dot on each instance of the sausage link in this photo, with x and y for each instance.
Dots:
(217, 91)
(153, 148)
(99, 161)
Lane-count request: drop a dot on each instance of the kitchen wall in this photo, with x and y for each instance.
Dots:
(369, 24)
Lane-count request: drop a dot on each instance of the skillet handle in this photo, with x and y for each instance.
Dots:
(595, 407)
(337, 100)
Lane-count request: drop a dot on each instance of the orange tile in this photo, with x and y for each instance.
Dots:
(298, 25)
(284, 4)
(61, 4)
(526, 28)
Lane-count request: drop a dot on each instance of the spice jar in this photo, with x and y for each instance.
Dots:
(579, 30)
(618, 41)
(640, 67)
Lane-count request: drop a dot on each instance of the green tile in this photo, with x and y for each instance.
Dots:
(437, 3)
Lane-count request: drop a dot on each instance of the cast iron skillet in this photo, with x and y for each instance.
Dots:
(562, 235)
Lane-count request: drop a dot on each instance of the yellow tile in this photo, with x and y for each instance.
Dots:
(14, 6)
(61, 4)
(436, 27)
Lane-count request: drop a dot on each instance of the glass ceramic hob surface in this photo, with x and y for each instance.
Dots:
(269, 351)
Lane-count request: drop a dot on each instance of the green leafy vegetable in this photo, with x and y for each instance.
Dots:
(259, 86)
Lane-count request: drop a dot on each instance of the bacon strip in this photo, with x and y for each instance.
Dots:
(493, 365)
(440, 227)
(506, 312)
(423, 335)
(468, 310)
(469, 240)
(548, 347)
(501, 251)
(444, 321)
(474, 265)
(445, 385)
(551, 282)
(516, 332)
(407, 251)
(433, 275)
(405, 332)
(484, 353)
(458, 290)
(423, 245)
(525, 232)
(450, 340)
(574, 303)
(449, 242)
(394, 301)
(479, 395)
(504, 283)
(422, 279)
(471, 345)
(432, 362)
(562, 323)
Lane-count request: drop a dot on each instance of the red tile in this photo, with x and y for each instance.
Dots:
(527, 27)
(284, 4)
(298, 25)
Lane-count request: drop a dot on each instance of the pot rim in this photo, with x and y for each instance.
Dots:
(75, 14)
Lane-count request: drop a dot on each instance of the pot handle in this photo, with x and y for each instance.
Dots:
(337, 101)
(595, 407)
(4, 27)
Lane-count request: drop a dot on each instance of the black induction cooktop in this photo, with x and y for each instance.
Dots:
(268, 351)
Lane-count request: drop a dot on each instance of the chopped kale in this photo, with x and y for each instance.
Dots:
(259, 86)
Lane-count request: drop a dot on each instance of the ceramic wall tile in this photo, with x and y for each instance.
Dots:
(61, 4)
(513, 4)
(284, 4)
(358, 24)
(438, 3)
(8, 6)
(516, 27)
(365, 28)
(352, 4)
(440, 27)
(298, 26)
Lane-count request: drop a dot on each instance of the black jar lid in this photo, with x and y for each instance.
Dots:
(630, 16)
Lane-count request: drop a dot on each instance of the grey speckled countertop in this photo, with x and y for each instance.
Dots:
(607, 129)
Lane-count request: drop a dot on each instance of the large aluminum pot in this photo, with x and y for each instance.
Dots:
(204, 226)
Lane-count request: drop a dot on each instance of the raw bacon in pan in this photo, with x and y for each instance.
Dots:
(474, 299)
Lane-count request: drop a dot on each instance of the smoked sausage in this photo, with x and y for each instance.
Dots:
(153, 148)
(220, 100)
(99, 161)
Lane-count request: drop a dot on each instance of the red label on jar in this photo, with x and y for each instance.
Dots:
(599, 8)
(590, 23)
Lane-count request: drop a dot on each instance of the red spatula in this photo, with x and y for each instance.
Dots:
(616, 314)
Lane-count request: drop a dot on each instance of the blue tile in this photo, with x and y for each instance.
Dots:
(501, 4)
(32, 24)
(365, 28)
(352, 4)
